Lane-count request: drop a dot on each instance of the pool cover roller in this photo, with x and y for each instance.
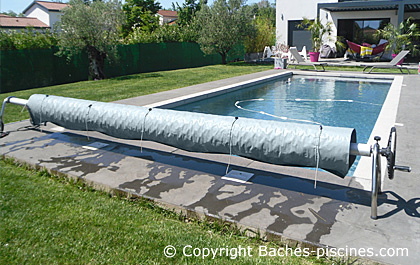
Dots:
(275, 142)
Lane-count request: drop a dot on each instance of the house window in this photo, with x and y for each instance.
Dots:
(298, 36)
(360, 31)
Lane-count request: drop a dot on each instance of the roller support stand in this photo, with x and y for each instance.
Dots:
(2, 133)
(12, 100)
(390, 153)
(376, 178)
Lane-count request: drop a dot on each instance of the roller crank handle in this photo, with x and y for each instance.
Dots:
(402, 168)
(390, 152)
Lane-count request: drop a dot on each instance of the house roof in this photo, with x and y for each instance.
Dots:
(409, 5)
(173, 22)
(168, 13)
(50, 6)
(21, 22)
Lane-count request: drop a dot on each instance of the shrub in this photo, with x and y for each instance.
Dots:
(263, 34)
(166, 33)
(27, 39)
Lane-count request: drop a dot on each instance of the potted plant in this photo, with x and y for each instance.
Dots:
(400, 38)
(318, 30)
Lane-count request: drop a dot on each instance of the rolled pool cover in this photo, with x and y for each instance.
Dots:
(274, 142)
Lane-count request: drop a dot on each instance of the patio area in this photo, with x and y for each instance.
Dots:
(342, 62)
(280, 202)
(347, 62)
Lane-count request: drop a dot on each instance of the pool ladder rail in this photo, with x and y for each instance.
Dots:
(355, 149)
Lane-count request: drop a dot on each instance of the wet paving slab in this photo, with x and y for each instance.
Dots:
(278, 202)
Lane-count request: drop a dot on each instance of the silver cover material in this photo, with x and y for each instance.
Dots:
(275, 142)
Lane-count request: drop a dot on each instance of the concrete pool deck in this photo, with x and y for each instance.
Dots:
(280, 202)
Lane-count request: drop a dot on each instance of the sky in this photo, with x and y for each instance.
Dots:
(19, 5)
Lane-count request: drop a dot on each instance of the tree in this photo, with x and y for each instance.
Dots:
(265, 10)
(187, 11)
(263, 31)
(11, 13)
(140, 14)
(223, 25)
(94, 28)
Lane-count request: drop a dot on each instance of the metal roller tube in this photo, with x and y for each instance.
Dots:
(360, 149)
(17, 101)
(12, 100)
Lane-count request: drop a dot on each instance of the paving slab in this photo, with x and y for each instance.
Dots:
(280, 202)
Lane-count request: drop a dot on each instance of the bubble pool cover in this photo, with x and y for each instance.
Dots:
(274, 142)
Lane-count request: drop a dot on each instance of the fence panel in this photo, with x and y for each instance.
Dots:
(25, 69)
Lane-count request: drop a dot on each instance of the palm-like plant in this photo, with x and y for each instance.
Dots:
(318, 30)
(401, 37)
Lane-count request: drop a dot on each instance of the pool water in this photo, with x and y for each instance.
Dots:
(330, 101)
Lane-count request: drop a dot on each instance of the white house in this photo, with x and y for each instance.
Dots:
(166, 16)
(355, 20)
(47, 12)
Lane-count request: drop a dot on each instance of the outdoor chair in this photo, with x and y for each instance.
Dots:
(303, 53)
(392, 64)
(300, 61)
(267, 52)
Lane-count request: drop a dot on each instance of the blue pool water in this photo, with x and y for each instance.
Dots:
(316, 99)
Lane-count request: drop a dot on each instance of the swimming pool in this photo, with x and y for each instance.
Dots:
(332, 101)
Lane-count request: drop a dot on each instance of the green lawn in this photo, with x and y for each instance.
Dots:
(132, 85)
(46, 219)
(50, 220)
